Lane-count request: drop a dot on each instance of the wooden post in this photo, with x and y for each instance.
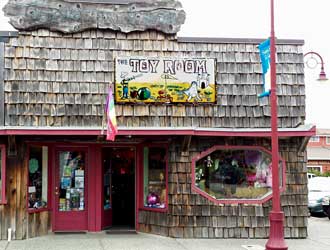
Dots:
(2, 92)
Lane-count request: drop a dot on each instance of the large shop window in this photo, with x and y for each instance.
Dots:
(235, 174)
(38, 178)
(155, 177)
(2, 174)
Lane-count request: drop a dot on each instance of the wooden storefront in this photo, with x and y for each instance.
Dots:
(54, 88)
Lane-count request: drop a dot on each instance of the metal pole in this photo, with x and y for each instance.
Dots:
(276, 216)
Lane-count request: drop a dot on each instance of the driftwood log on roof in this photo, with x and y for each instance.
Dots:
(75, 16)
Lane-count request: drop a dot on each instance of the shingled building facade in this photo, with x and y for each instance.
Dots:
(60, 174)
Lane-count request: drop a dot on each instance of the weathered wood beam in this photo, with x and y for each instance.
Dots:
(75, 16)
(186, 143)
(303, 144)
(2, 83)
(12, 147)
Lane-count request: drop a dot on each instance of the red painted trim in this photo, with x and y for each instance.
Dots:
(138, 151)
(32, 211)
(233, 201)
(96, 151)
(91, 180)
(52, 190)
(146, 132)
(141, 189)
(3, 200)
(159, 210)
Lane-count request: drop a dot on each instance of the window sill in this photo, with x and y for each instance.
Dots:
(158, 210)
(32, 211)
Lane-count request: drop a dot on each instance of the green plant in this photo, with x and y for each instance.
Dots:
(318, 173)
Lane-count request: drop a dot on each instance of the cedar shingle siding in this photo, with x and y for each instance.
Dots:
(62, 80)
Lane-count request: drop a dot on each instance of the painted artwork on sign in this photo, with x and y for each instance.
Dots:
(165, 80)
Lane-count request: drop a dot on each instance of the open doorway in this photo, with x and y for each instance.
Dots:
(118, 188)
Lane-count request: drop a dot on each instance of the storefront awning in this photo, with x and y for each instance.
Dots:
(301, 131)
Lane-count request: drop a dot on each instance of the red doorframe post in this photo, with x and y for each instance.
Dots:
(276, 216)
(91, 173)
(96, 190)
(138, 183)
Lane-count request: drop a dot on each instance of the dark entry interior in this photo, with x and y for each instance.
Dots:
(121, 164)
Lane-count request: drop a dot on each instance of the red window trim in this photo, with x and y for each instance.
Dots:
(233, 201)
(49, 181)
(38, 210)
(141, 179)
(3, 200)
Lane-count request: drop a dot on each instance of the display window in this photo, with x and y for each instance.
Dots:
(38, 178)
(2, 174)
(235, 173)
(155, 178)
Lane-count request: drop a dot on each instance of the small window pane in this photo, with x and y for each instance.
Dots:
(38, 177)
(235, 174)
(315, 139)
(328, 140)
(72, 181)
(155, 177)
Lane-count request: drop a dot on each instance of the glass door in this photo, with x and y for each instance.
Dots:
(70, 190)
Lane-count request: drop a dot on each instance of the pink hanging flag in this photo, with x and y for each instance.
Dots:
(112, 129)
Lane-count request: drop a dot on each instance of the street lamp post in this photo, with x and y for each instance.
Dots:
(322, 76)
(276, 216)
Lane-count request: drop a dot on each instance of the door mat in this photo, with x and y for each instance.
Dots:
(120, 231)
(66, 232)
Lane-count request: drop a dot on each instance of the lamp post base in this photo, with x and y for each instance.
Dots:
(276, 234)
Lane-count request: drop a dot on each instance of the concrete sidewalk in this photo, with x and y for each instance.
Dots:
(145, 242)
(319, 239)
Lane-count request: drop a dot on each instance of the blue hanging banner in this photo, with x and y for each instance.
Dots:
(264, 49)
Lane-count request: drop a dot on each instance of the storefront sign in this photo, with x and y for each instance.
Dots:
(169, 80)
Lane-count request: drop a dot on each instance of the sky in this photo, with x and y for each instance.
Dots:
(294, 19)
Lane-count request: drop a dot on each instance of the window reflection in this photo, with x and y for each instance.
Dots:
(72, 181)
(235, 174)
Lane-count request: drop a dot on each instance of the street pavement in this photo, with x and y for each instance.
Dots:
(318, 239)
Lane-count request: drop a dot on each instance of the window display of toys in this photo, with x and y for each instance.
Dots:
(153, 199)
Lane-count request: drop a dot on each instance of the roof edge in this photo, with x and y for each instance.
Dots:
(181, 39)
(11, 33)
(119, 2)
(5, 35)
(237, 40)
